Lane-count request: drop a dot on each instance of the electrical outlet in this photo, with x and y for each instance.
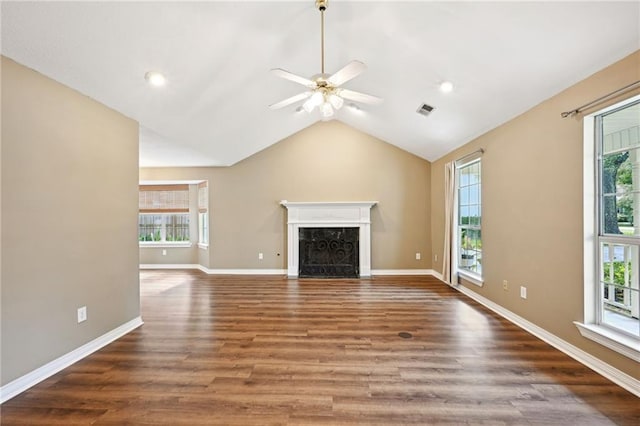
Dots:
(82, 314)
(505, 285)
(260, 256)
(418, 256)
(435, 257)
(164, 252)
(523, 292)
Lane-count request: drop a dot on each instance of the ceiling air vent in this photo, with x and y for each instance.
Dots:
(425, 109)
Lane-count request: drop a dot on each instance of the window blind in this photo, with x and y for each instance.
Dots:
(163, 199)
(203, 197)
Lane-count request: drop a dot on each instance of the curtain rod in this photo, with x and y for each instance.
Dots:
(481, 151)
(625, 89)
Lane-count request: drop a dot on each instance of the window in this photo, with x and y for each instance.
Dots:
(618, 171)
(203, 214)
(469, 219)
(150, 227)
(612, 227)
(163, 214)
(163, 228)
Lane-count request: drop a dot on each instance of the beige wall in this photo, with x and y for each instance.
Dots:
(532, 210)
(328, 161)
(174, 255)
(69, 217)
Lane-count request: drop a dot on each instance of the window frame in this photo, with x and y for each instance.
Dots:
(203, 215)
(592, 326)
(458, 270)
(203, 229)
(163, 232)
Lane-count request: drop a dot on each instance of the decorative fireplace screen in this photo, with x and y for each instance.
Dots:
(329, 253)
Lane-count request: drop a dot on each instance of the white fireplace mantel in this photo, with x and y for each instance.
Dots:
(334, 214)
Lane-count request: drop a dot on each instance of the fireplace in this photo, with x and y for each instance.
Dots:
(338, 215)
(328, 253)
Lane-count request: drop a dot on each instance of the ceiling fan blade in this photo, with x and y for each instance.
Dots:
(295, 78)
(351, 70)
(359, 97)
(290, 100)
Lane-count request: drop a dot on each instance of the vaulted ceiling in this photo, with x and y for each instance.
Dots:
(502, 57)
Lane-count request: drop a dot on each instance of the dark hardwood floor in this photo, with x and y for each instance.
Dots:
(267, 350)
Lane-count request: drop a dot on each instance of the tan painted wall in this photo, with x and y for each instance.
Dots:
(328, 161)
(532, 210)
(175, 255)
(69, 218)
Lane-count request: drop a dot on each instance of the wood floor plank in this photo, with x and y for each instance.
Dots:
(238, 350)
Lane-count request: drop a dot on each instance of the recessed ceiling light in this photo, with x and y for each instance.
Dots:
(155, 78)
(446, 86)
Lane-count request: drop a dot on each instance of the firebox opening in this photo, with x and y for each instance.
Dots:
(329, 253)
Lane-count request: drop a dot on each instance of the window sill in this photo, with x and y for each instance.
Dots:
(165, 245)
(621, 343)
(203, 246)
(473, 279)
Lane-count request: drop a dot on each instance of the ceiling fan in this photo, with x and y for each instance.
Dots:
(324, 89)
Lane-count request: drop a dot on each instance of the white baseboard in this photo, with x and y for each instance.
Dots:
(243, 271)
(171, 266)
(213, 271)
(618, 377)
(276, 271)
(402, 272)
(23, 383)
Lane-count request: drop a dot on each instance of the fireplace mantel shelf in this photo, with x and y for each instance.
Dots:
(303, 214)
(321, 204)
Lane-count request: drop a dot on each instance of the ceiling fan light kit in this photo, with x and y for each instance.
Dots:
(325, 92)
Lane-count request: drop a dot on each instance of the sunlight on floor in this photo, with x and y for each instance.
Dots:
(149, 287)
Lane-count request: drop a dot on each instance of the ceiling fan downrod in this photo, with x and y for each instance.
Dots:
(322, 6)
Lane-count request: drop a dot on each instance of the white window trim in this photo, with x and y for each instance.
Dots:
(201, 231)
(470, 277)
(589, 328)
(611, 338)
(456, 270)
(171, 244)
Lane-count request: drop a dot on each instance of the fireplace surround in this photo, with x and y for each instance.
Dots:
(336, 214)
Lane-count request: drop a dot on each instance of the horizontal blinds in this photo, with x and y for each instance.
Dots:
(203, 197)
(164, 199)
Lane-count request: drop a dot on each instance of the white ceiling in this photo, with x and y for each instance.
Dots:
(503, 57)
